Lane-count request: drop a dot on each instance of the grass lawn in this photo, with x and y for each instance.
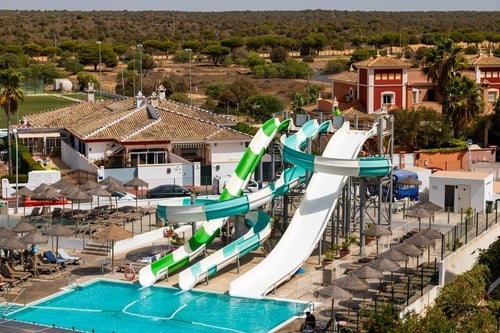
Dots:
(33, 104)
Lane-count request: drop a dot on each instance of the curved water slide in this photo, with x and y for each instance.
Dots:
(311, 217)
(151, 273)
(259, 230)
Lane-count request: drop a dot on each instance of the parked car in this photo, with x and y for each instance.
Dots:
(251, 187)
(123, 196)
(168, 191)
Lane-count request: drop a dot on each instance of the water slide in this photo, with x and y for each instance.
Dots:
(310, 219)
(257, 221)
(151, 273)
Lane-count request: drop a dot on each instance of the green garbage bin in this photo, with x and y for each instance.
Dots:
(489, 207)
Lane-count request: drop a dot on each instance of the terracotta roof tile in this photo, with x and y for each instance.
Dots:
(387, 61)
(121, 121)
(485, 60)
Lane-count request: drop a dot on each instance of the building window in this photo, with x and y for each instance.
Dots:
(398, 76)
(149, 156)
(414, 94)
(387, 98)
(492, 95)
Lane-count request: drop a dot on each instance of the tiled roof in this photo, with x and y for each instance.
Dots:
(485, 60)
(347, 76)
(386, 61)
(121, 121)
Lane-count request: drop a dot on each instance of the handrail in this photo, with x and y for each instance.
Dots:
(10, 303)
(72, 283)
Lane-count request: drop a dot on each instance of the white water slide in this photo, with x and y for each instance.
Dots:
(308, 222)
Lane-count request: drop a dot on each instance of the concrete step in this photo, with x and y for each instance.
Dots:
(98, 249)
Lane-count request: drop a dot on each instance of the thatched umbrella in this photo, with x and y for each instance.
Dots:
(409, 250)
(24, 192)
(58, 230)
(333, 291)
(79, 196)
(23, 226)
(61, 183)
(12, 243)
(99, 192)
(136, 182)
(431, 233)
(48, 194)
(89, 185)
(42, 187)
(385, 265)
(352, 283)
(115, 187)
(111, 180)
(419, 213)
(377, 231)
(368, 272)
(113, 233)
(34, 237)
(429, 206)
(421, 242)
(410, 181)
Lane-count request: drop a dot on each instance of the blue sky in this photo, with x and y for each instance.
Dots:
(228, 5)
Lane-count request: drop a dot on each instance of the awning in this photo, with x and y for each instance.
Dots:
(24, 135)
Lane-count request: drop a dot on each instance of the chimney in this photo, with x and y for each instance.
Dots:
(139, 100)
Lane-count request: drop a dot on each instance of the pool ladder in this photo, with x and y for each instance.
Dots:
(71, 282)
(12, 305)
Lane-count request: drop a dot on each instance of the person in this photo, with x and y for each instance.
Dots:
(336, 111)
(309, 324)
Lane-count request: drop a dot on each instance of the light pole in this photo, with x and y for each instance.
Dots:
(100, 69)
(139, 46)
(14, 130)
(189, 51)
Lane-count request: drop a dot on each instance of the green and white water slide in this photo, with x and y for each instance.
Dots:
(205, 235)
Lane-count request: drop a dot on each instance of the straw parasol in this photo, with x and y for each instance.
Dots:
(431, 233)
(34, 237)
(48, 194)
(24, 192)
(61, 183)
(89, 185)
(113, 233)
(58, 230)
(136, 182)
(79, 196)
(385, 265)
(352, 283)
(115, 187)
(419, 213)
(377, 231)
(111, 180)
(409, 250)
(23, 226)
(99, 192)
(410, 181)
(333, 291)
(422, 241)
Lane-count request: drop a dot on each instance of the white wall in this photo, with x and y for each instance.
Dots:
(97, 150)
(161, 174)
(481, 189)
(227, 152)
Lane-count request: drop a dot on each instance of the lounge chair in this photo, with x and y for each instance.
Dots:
(39, 268)
(69, 259)
(9, 273)
(52, 259)
(43, 263)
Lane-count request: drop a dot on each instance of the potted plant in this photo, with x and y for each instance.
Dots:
(330, 254)
(346, 243)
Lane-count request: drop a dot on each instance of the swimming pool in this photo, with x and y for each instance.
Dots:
(119, 307)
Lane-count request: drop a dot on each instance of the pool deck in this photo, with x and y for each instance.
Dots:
(301, 287)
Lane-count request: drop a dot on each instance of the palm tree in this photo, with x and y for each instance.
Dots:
(9, 101)
(441, 65)
(465, 102)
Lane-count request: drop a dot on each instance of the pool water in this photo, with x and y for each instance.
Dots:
(110, 306)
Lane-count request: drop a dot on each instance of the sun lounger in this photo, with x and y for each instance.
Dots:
(69, 259)
(8, 272)
(42, 263)
(52, 259)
